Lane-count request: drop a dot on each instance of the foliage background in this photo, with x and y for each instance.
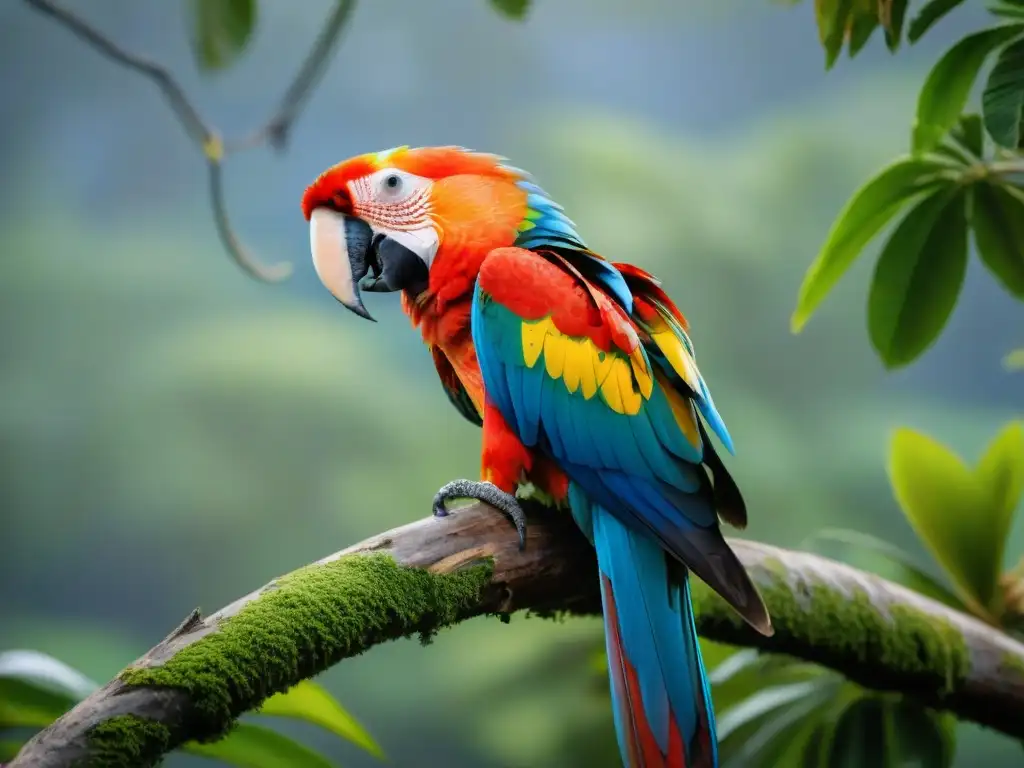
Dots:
(173, 433)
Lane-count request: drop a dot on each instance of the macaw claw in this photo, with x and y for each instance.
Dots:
(488, 493)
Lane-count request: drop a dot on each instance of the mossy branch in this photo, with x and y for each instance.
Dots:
(434, 573)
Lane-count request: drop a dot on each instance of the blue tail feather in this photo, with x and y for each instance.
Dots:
(649, 622)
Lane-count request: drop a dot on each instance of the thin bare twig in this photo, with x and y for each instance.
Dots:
(273, 273)
(274, 132)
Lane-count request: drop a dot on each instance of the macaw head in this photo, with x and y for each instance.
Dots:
(379, 221)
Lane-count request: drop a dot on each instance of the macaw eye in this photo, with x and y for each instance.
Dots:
(392, 183)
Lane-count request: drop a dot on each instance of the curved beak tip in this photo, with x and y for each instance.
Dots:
(340, 249)
(363, 312)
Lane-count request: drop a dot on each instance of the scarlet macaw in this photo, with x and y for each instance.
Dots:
(582, 374)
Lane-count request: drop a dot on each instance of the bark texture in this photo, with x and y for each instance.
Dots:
(433, 573)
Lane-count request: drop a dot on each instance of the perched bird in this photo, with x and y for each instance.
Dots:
(582, 374)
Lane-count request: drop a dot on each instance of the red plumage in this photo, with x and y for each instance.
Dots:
(642, 747)
(472, 210)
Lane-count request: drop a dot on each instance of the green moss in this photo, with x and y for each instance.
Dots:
(1012, 662)
(309, 620)
(127, 740)
(775, 566)
(902, 647)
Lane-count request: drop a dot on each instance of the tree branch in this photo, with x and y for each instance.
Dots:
(275, 130)
(436, 572)
(206, 137)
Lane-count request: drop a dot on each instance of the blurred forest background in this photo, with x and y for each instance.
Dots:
(173, 433)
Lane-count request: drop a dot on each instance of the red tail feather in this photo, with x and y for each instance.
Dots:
(642, 748)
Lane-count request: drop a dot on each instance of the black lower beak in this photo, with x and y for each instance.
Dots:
(358, 240)
(393, 267)
(348, 256)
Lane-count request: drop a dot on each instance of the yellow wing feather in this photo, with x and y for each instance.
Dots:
(678, 356)
(623, 383)
(682, 411)
(554, 356)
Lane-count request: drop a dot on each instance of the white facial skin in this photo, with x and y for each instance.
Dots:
(393, 203)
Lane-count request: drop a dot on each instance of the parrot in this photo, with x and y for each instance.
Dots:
(582, 376)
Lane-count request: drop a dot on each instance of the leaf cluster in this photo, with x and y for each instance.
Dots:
(961, 182)
(775, 710)
(36, 689)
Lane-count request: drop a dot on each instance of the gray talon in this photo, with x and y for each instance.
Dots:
(488, 493)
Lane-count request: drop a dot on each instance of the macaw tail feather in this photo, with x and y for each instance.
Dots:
(661, 699)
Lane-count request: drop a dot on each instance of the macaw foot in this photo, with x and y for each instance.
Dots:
(487, 493)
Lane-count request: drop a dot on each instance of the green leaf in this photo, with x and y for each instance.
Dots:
(252, 746)
(44, 671)
(1014, 361)
(961, 516)
(513, 9)
(997, 218)
(776, 728)
(948, 86)
(787, 740)
(751, 666)
(308, 701)
(927, 16)
(1001, 474)
(882, 731)
(1009, 9)
(36, 689)
(1002, 102)
(867, 212)
(860, 735)
(220, 30)
(969, 133)
(748, 671)
(27, 704)
(788, 748)
(893, 13)
(902, 569)
(738, 663)
(760, 704)
(917, 279)
(819, 744)
(833, 17)
(10, 749)
(712, 652)
(919, 737)
(861, 29)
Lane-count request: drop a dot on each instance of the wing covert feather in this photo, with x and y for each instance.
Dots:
(621, 421)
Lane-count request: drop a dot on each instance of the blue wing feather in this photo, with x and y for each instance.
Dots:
(550, 415)
(678, 486)
(671, 497)
(639, 491)
(702, 397)
(549, 227)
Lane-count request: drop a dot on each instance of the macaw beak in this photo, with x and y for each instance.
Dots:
(348, 255)
(341, 255)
